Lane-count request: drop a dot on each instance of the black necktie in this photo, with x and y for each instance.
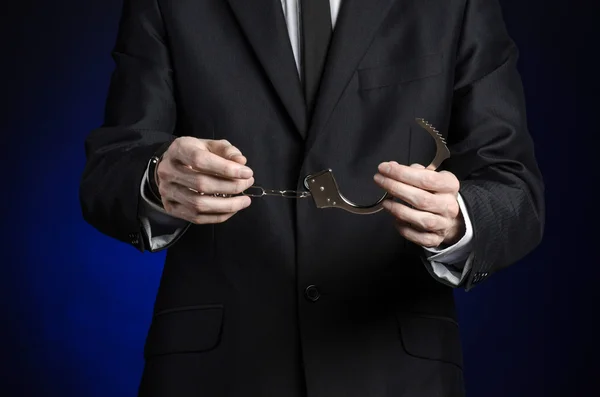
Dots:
(316, 34)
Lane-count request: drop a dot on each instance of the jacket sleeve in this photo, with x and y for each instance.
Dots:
(492, 150)
(139, 122)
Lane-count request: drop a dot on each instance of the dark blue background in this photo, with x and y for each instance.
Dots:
(76, 305)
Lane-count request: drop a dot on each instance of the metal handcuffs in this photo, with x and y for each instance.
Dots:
(326, 194)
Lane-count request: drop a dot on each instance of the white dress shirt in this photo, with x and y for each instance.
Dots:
(450, 264)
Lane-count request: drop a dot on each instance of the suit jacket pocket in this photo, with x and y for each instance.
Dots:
(403, 72)
(184, 330)
(431, 338)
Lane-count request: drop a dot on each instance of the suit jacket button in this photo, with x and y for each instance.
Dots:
(312, 293)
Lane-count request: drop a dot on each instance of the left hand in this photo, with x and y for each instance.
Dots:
(435, 217)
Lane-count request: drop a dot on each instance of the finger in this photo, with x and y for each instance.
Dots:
(420, 220)
(201, 159)
(240, 159)
(203, 204)
(424, 239)
(416, 197)
(210, 163)
(209, 184)
(185, 213)
(417, 176)
(180, 174)
(226, 150)
(212, 185)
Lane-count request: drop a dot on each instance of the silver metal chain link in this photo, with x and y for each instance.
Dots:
(294, 194)
(258, 191)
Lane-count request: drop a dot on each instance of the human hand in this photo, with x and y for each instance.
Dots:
(431, 216)
(192, 170)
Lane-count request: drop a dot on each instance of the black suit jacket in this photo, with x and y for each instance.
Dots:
(285, 299)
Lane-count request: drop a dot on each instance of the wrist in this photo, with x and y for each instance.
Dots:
(153, 180)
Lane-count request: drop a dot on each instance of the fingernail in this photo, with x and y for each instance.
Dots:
(385, 167)
(378, 178)
(386, 204)
(246, 173)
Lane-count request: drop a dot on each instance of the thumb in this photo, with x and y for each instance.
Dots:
(416, 165)
(239, 158)
(226, 150)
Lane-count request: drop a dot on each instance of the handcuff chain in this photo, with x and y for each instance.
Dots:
(279, 193)
(258, 191)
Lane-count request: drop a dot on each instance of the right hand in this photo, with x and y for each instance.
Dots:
(193, 169)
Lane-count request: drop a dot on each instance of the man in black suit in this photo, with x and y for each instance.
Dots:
(273, 296)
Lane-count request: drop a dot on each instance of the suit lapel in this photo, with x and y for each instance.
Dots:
(358, 20)
(265, 27)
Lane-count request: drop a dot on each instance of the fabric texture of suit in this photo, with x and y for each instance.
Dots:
(450, 264)
(285, 299)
